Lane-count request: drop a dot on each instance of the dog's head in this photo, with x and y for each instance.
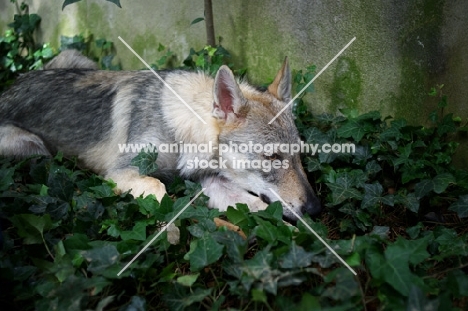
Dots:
(260, 156)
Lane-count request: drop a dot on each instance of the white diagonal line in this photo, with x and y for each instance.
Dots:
(313, 79)
(162, 80)
(315, 233)
(160, 232)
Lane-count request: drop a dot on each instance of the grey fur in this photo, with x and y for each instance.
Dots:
(87, 113)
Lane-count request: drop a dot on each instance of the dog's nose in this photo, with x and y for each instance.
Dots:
(312, 206)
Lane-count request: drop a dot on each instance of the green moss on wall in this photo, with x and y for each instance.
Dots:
(422, 58)
(347, 83)
(96, 15)
(147, 47)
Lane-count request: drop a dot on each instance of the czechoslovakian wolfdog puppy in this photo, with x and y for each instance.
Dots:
(91, 114)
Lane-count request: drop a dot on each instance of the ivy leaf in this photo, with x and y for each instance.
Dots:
(32, 227)
(179, 298)
(6, 178)
(438, 184)
(461, 206)
(197, 20)
(391, 133)
(297, 257)
(394, 267)
(237, 216)
(148, 205)
(275, 209)
(447, 125)
(137, 233)
(399, 123)
(396, 273)
(236, 247)
(101, 258)
(376, 262)
(346, 286)
(313, 164)
(136, 304)
(371, 115)
(188, 280)
(410, 201)
(146, 162)
(343, 189)
(259, 264)
(458, 282)
(442, 181)
(77, 241)
(380, 231)
(258, 295)
(203, 252)
(353, 128)
(417, 300)
(405, 153)
(179, 205)
(116, 2)
(266, 231)
(362, 154)
(315, 136)
(68, 2)
(413, 251)
(60, 186)
(372, 168)
(423, 187)
(259, 268)
(165, 207)
(104, 190)
(372, 195)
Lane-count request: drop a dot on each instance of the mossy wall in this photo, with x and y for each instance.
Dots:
(402, 48)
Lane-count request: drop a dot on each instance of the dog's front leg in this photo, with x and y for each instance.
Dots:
(130, 179)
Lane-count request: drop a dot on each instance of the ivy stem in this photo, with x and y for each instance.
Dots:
(445, 271)
(47, 247)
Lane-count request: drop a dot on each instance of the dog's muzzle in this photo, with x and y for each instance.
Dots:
(312, 207)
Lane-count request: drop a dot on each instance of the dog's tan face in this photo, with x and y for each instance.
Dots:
(244, 114)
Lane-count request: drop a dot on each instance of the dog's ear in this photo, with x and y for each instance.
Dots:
(229, 102)
(281, 86)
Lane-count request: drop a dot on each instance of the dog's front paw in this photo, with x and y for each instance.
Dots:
(128, 179)
(148, 185)
(173, 234)
(257, 205)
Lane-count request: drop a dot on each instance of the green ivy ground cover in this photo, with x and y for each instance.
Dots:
(67, 235)
(395, 210)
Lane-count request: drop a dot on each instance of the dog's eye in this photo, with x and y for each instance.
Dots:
(272, 157)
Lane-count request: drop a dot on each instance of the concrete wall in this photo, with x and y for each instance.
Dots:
(401, 49)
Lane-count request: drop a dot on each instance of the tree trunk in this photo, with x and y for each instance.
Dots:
(210, 35)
